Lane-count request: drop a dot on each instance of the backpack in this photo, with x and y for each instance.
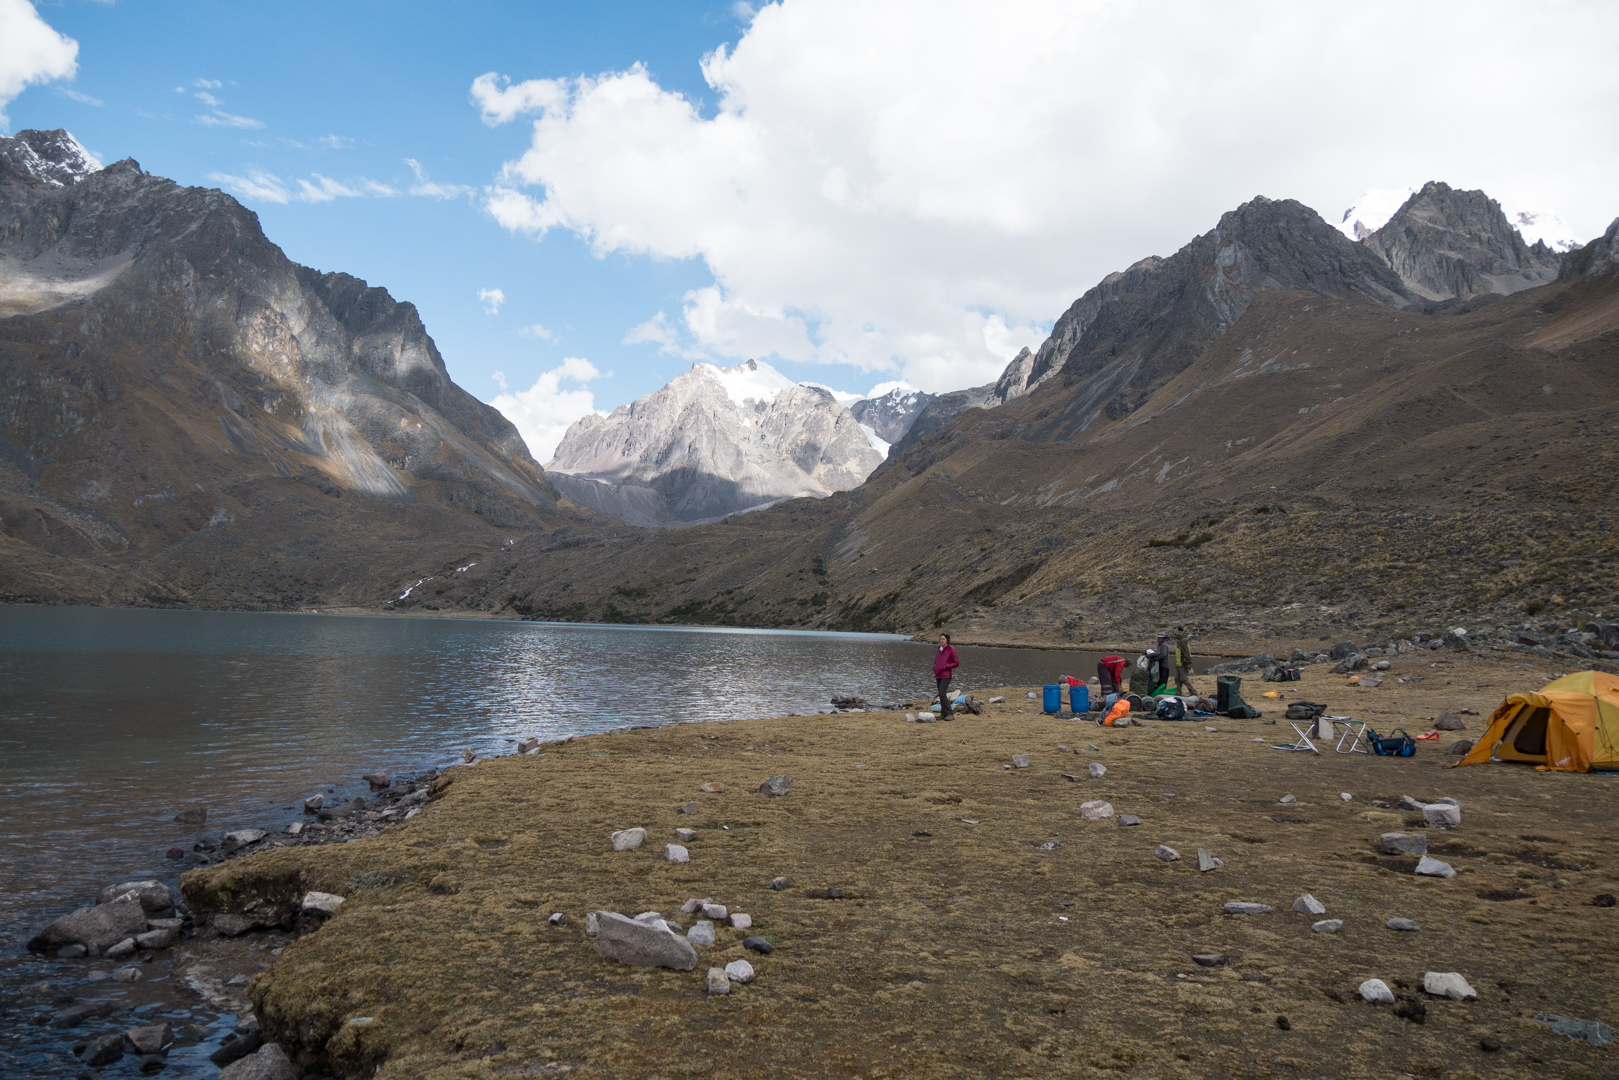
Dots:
(1304, 710)
(1282, 673)
(1390, 746)
(1171, 708)
(1228, 699)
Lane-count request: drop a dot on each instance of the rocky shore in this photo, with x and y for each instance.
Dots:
(1001, 895)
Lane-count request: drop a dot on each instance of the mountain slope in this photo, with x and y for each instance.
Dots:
(712, 442)
(178, 395)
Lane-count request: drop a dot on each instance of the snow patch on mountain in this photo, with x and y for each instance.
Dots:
(750, 381)
(50, 157)
(1545, 227)
(1372, 211)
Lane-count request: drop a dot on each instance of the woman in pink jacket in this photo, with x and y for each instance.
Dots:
(945, 663)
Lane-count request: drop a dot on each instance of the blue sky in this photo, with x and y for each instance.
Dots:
(858, 191)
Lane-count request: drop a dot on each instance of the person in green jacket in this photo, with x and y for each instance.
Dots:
(1180, 655)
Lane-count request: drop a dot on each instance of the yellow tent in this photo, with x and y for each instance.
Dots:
(1570, 725)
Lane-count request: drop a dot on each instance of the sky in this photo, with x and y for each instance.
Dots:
(584, 199)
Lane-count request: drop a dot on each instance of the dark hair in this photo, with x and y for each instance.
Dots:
(945, 636)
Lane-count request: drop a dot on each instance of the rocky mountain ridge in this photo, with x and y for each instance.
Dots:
(714, 442)
(172, 381)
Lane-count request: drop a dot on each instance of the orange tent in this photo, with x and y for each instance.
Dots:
(1570, 725)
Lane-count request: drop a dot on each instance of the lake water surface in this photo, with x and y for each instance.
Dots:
(112, 720)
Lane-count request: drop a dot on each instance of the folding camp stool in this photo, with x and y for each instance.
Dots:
(1355, 733)
(1304, 742)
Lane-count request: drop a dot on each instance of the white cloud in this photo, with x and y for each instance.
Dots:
(538, 332)
(543, 412)
(207, 99)
(335, 142)
(220, 118)
(920, 187)
(30, 52)
(80, 97)
(204, 84)
(491, 299)
(265, 186)
(428, 188)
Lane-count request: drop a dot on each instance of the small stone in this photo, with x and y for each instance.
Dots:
(689, 808)
(294, 828)
(1093, 748)
(1072, 777)
(71, 952)
(1383, 665)
(528, 745)
(149, 1039)
(469, 756)
(180, 852)
(1393, 843)
(241, 838)
(996, 700)
(1167, 853)
(835, 893)
(739, 971)
(1460, 747)
(1448, 984)
(120, 949)
(98, 976)
(154, 896)
(192, 817)
(1442, 816)
(1029, 695)
(1209, 960)
(1289, 800)
(377, 781)
(1489, 1044)
(778, 884)
(675, 853)
(1377, 992)
(104, 1051)
(313, 804)
(628, 839)
(234, 980)
(1061, 749)
(133, 974)
(1020, 761)
(320, 903)
(1346, 796)
(758, 945)
(1408, 803)
(1129, 819)
(1096, 810)
(693, 906)
(269, 1063)
(1284, 1024)
(701, 933)
(1206, 861)
(1429, 867)
(718, 981)
(1309, 905)
(592, 924)
(1121, 722)
(713, 787)
(776, 785)
(1237, 907)
(1403, 924)
(685, 836)
(740, 920)
(155, 939)
(714, 911)
(1097, 770)
(555, 918)
(1327, 926)
(642, 944)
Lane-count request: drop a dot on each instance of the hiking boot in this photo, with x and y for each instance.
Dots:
(947, 716)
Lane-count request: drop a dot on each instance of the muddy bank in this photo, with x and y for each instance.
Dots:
(948, 913)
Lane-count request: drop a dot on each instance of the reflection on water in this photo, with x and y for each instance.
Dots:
(112, 720)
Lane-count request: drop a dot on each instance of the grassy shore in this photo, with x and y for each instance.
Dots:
(949, 955)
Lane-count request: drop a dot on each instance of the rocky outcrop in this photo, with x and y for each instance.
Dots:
(1447, 244)
(1599, 257)
(713, 442)
(943, 409)
(49, 158)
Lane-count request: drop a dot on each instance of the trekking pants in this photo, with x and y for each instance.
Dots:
(1183, 676)
(944, 699)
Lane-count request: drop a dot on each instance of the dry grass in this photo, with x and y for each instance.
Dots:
(948, 958)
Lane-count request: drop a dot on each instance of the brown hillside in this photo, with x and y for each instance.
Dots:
(1324, 462)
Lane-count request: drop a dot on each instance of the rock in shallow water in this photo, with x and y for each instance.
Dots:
(153, 895)
(95, 927)
(149, 1039)
(105, 1050)
(641, 944)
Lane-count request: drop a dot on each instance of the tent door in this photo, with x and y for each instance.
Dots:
(1525, 737)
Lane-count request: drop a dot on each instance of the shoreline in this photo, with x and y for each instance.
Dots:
(939, 891)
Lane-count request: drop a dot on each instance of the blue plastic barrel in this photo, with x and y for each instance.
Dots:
(1079, 697)
(1053, 697)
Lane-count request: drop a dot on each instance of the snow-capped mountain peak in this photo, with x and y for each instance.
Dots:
(50, 157)
(1372, 211)
(748, 381)
(1545, 227)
